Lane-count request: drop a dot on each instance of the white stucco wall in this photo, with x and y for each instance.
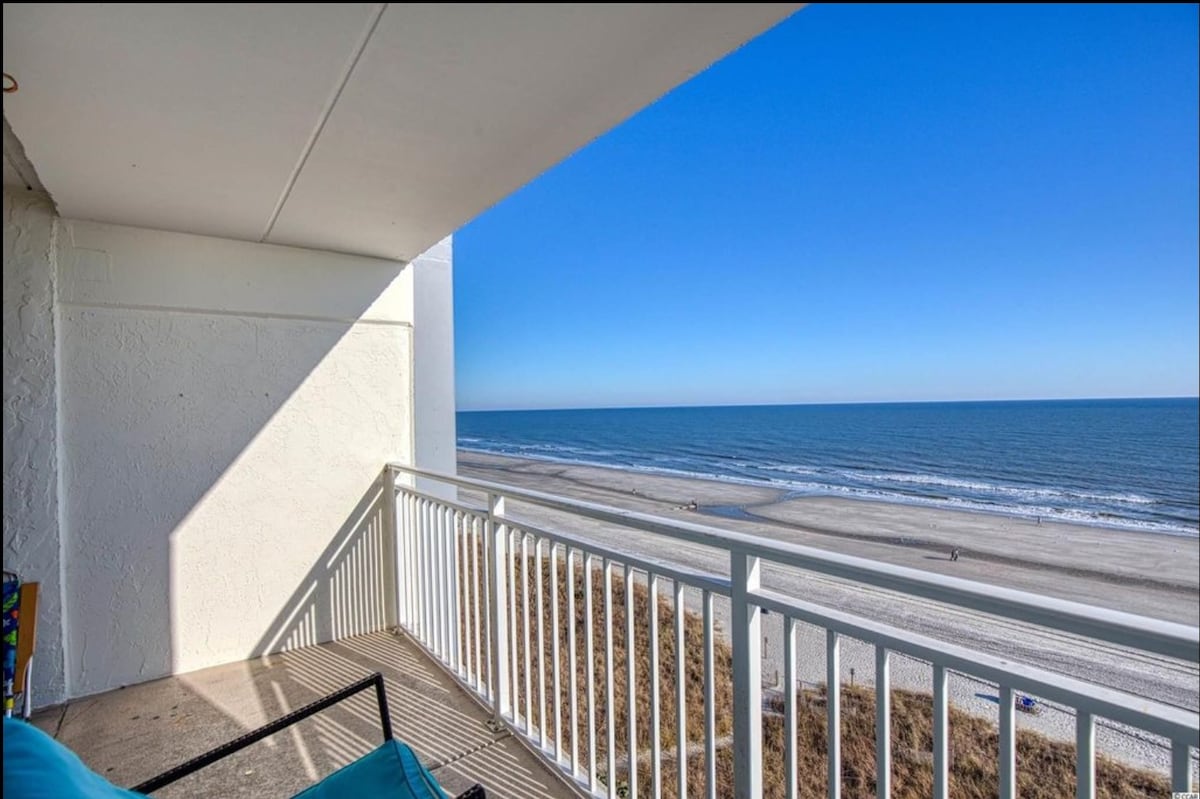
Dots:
(31, 510)
(226, 407)
(194, 435)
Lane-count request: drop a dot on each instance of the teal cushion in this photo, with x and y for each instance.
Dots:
(38, 767)
(392, 770)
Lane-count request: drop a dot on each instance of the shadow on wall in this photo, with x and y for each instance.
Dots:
(132, 479)
(349, 589)
(211, 451)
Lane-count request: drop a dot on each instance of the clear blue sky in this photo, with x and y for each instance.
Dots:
(871, 203)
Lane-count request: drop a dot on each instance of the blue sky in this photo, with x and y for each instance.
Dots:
(878, 203)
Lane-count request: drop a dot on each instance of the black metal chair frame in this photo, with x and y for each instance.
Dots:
(241, 742)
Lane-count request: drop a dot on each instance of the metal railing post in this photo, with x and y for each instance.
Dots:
(1181, 766)
(391, 538)
(497, 536)
(745, 574)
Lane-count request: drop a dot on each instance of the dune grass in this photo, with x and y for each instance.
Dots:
(1045, 768)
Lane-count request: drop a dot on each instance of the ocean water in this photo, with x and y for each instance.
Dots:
(1132, 464)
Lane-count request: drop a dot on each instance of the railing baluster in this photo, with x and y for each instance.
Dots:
(420, 563)
(541, 642)
(445, 567)
(556, 703)
(513, 650)
(610, 715)
(497, 538)
(1085, 755)
(470, 599)
(435, 594)
(833, 712)
(427, 586)
(631, 683)
(447, 572)
(573, 672)
(883, 723)
(589, 664)
(655, 686)
(414, 596)
(439, 571)
(456, 598)
(451, 632)
(710, 704)
(941, 733)
(456, 618)
(681, 742)
(412, 569)
(745, 574)
(402, 561)
(485, 548)
(1181, 767)
(526, 634)
(477, 585)
(398, 533)
(456, 575)
(358, 585)
(429, 522)
(790, 771)
(451, 590)
(462, 632)
(1008, 745)
(461, 542)
(456, 587)
(418, 606)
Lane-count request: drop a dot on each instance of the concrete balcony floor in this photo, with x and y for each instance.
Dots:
(134, 733)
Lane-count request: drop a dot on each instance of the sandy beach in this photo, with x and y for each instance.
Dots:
(1149, 574)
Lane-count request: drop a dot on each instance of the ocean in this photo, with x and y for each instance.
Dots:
(1130, 464)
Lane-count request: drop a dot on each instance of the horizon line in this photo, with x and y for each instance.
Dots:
(673, 406)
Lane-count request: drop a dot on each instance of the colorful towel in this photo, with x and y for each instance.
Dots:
(12, 610)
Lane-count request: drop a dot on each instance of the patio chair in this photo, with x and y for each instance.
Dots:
(38, 767)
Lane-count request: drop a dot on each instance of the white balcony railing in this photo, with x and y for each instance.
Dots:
(494, 600)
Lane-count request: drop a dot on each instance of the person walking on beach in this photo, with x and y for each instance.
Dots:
(954, 553)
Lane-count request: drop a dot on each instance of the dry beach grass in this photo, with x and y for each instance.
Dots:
(1046, 768)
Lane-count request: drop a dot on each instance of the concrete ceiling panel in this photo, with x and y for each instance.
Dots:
(453, 107)
(374, 129)
(187, 117)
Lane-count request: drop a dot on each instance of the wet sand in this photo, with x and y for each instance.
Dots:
(1157, 575)
(1149, 574)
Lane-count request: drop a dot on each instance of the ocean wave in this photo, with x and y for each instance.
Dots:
(996, 488)
(788, 468)
(842, 476)
(507, 448)
(874, 486)
(1091, 518)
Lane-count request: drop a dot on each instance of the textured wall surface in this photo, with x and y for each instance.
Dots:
(31, 510)
(227, 409)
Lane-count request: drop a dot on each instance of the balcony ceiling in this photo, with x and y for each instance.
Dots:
(362, 128)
